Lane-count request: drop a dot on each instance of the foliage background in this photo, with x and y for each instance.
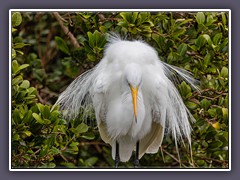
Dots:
(49, 50)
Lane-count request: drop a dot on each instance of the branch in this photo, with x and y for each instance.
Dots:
(173, 157)
(211, 159)
(66, 30)
(102, 18)
(198, 93)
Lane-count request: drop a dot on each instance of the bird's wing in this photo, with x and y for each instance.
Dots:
(103, 132)
(169, 108)
(76, 95)
(152, 141)
(98, 93)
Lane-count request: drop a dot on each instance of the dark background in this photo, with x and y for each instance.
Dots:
(124, 4)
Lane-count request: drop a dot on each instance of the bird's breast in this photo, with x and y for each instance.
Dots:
(120, 116)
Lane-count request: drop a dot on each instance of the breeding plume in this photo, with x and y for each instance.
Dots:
(134, 98)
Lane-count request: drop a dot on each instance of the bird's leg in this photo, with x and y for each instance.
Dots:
(136, 160)
(117, 158)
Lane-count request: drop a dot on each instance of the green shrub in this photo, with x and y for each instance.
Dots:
(45, 60)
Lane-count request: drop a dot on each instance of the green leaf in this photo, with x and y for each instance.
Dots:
(20, 45)
(16, 19)
(88, 136)
(51, 165)
(73, 144)
(46, 121)
(14, 30)
(69, 165)
(40, 107)
(207, 37)
(46, 111)
(224, 72)
(206, 60)
(44, 151)
(200, 17)
(205, 104)
(16, 116)
(122, 24)
(16, 68)
(191, 105)
(182, 49)
(62, 45)
(200, 42)
(209, 20)
(27, 117)
(38, 118)
(108, 24)
(91, 161)
(224, 19)
(90, 39)
(15, 137)
(225, 113)
(134, 17)
(60, 129)
(217, 38)
(17, 80)
(31, 90)
(81, 128)
(212, 112)
(23, 67)
(14, 54)
(216, 125)
(25, 84)
(215, 145)
(28, 133)
(127, 16)
(200, 162)
(178, 33)
(54, 151)
(185, 90)
(205, 144)
(73, 148)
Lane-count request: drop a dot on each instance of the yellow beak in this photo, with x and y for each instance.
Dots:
(134, 98)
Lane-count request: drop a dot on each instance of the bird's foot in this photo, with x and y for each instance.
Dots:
(117, 157)
(117, 160)
(136, 163)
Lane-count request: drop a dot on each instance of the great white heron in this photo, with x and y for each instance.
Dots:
(134, 99)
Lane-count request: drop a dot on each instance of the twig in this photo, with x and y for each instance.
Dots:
(206, 97)
(95, 144)
(37, 151)
(66, 30)
(40, 98)
(102, 18)
(49, 92)
(210, 159)
(173, 157)
(198, 93)
(92, 143)
(65, 159)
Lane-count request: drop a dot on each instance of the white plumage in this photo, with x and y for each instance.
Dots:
(128, 67)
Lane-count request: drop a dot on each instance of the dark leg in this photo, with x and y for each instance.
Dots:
(117, 158)
(136, 160)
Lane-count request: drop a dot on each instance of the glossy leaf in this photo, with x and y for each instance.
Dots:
(16, 19)
(62, 45)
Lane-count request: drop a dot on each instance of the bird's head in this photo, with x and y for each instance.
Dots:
(133, 77)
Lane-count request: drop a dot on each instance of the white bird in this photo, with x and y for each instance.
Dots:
(134, 99)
